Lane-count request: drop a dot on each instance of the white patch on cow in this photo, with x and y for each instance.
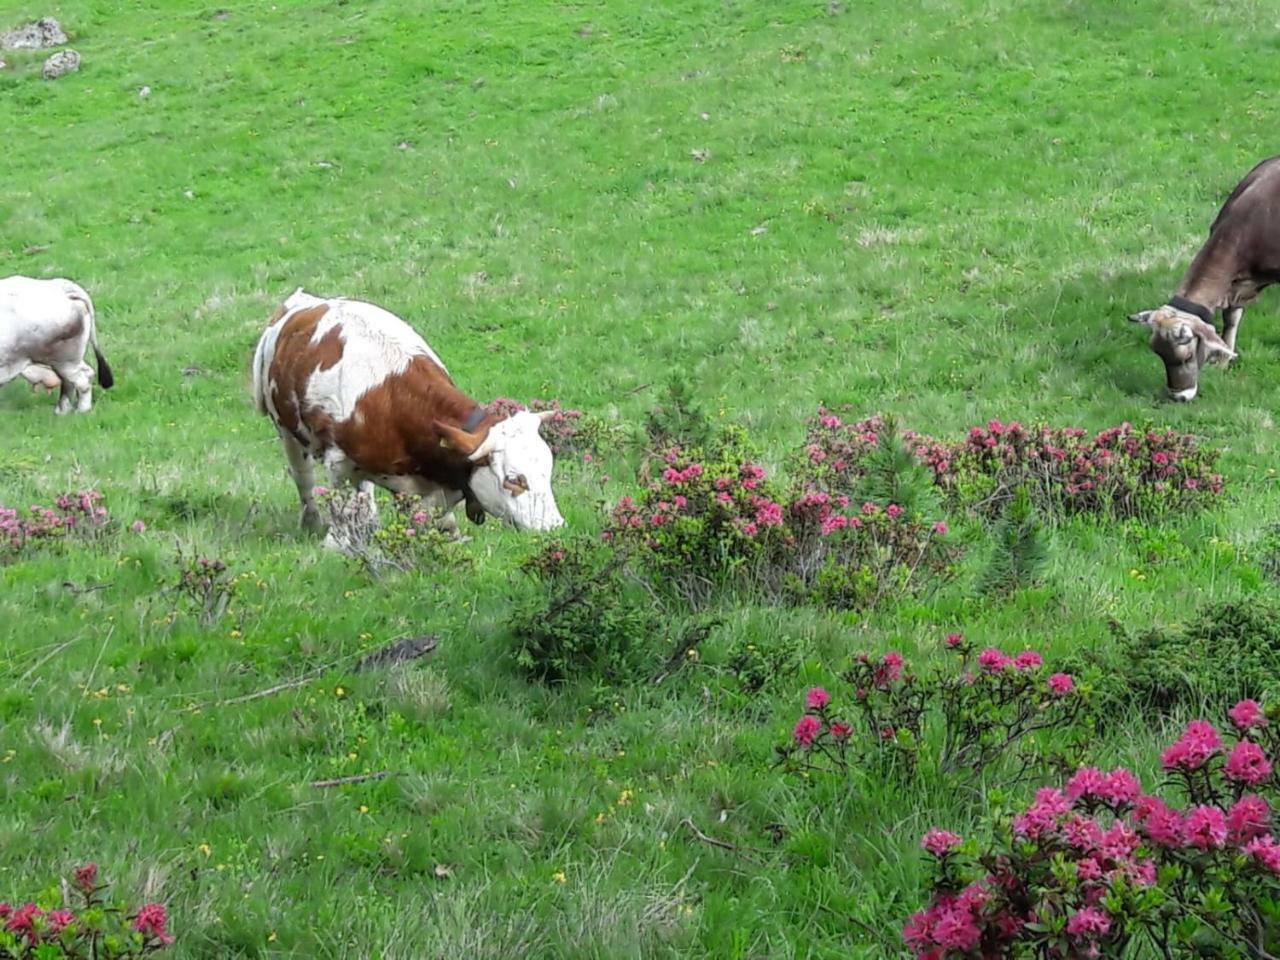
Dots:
(1184, 395)
(516, 452)
(376, 344)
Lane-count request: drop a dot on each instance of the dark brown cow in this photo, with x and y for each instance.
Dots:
(352, 385)
(1240, 259)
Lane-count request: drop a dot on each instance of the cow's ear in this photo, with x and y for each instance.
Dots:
(455, 438)
(1215, 348)
(1142, 316)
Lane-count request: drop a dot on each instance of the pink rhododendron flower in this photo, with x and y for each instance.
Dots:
(890, 668)
(1247, 714)
(1198, 743)
(1247, 764)
(955, 930)
(817, 698)
(1028, 660)
(1041, 817)
(1120, 789)
(1205, 828)
(150, 922)
(1088, 869)
(1265, 851)
(1088, 923)
(86, 877)
(1247, 819)
(939, 842)
(1087, 782)
(993, 660)
(59, 919)
(1061, 684)
(22, 921)
(807, 727)
(1163, 826)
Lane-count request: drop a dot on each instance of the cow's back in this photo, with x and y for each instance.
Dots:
(40, 319)
(318, 357)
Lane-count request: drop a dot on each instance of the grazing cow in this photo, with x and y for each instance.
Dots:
(350, 384)
(45, 326)
(1240, 259)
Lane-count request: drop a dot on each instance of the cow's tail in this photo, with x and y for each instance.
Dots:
(260, 364)
(78, 294)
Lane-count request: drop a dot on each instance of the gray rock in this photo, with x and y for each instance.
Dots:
(61, 63)
(45, 32)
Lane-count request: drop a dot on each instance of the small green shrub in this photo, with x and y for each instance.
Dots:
(678, 419)
(762, 660)
(1019, 552)
(583, 619)
(1228, 651)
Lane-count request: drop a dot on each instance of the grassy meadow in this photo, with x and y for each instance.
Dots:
(939, 209)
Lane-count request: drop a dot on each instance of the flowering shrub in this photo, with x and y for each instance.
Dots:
(709, 519)
(408, 535)
(1098, 867)
(975, 713)
(80, 515)
(205, 586)
(1121, 471)
(566, 431)
(839, 555)
(702, 520)
(95, 929)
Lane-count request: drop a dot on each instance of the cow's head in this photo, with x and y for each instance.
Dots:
(511, 476)
(1185, 343)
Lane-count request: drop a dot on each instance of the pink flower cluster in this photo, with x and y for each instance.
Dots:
(1121, 470)
(151, 920)
(80, 514)
(732, 503)
(57, 933)
(1115, 838)
(562, 430)
(1111, 471)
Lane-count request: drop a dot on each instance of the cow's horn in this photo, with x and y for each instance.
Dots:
(484, 448)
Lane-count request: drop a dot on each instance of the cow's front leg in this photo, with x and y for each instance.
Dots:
(1231, 318)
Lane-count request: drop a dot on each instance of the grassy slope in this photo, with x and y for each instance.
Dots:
(961, 202)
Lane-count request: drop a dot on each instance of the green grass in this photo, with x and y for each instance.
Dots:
(960, 201)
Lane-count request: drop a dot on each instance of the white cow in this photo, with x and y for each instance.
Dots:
(45, 327)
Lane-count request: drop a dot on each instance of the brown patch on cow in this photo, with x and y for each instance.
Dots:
(71, 330)
(295, 359)
(392, 430)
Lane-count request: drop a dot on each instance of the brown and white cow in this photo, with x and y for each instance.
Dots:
(352, 385)
(45, 327)
(1239, 260)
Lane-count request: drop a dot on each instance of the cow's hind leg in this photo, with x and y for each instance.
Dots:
(1231, 318)
(302, 468)
(76, 386)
